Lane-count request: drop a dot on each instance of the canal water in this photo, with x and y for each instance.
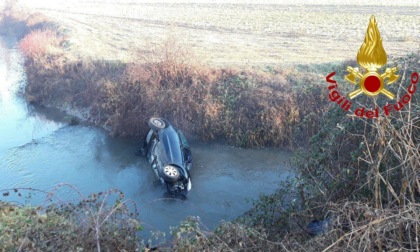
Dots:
(40, 149)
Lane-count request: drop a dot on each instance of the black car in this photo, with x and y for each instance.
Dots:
(168, 152)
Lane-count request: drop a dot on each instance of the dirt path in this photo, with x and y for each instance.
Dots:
(222, 34)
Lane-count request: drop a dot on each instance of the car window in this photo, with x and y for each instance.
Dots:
(149, 136)
(161, 153)
(183, 140)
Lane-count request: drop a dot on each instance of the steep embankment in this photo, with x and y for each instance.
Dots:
(243, 107)
(363, 172)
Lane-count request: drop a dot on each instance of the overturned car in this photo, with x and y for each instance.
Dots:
(169, 155)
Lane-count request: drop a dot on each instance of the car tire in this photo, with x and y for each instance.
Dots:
(170, 173)
(157, 124)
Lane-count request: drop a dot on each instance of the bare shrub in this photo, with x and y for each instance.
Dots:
(247, 108)
(103, 221)
(360, 176)
(192, 235)
(366, 173)
(39, 43)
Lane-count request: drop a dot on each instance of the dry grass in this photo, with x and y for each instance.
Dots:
(246, 108)
(364, 172)
(357, 226)
(237, 106)
(363, 177)
(39, 42)
(366, 175)
(100, 222)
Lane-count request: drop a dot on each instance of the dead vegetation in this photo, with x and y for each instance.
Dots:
(103, 222)
(40, 42)
(247, 108)
(373, 195)
(359, 178)
(363, 173)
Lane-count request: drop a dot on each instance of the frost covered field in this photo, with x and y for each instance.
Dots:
(238, 33)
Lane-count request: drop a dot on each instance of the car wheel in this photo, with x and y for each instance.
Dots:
(157, 123)
(170, 173)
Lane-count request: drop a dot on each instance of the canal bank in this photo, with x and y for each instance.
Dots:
(41, 148)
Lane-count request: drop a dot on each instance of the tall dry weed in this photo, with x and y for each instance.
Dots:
(365, 173)
(244, 108)
(38, 43)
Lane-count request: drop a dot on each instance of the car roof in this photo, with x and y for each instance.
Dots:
(171, 142)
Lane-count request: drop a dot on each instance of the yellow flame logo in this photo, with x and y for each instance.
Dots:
(372, 53)
(372, 57)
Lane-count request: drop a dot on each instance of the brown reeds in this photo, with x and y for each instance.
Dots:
(367, 178)
(365, 172)
(359, 176)
(246, 108)
(103, 221)
(39, 42)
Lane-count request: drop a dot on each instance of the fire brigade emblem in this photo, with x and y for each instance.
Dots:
(372, 57)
